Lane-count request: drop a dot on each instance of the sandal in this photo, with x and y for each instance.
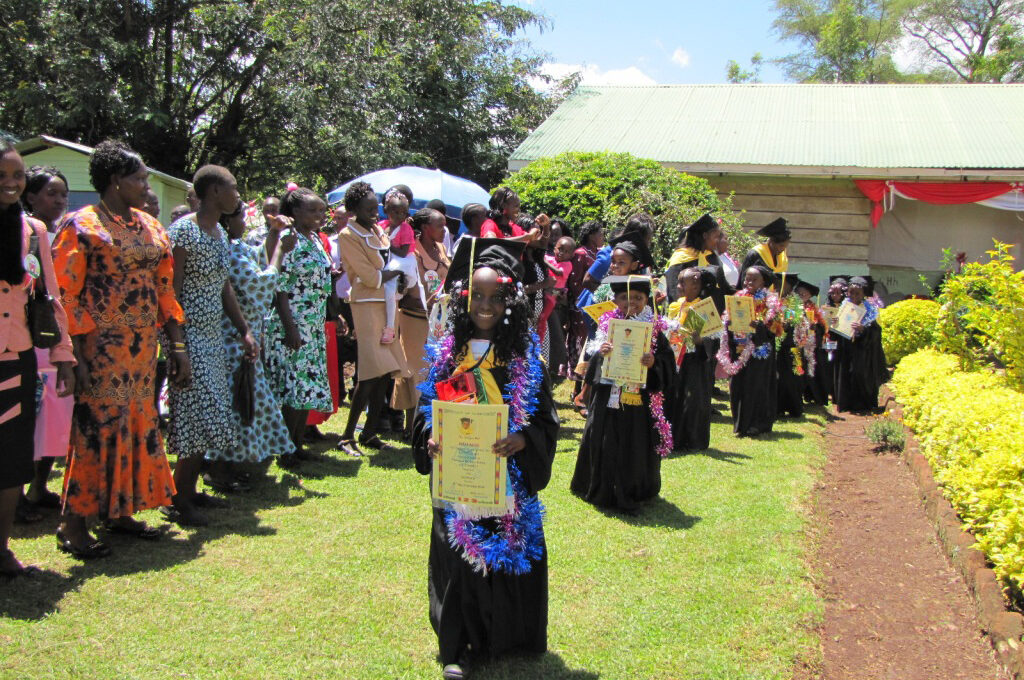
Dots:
(48, 499)
(95, 549)
(136, 530)
(224, 485)
(349, 447)
(26, 512)
(187, 518)
(372, 442)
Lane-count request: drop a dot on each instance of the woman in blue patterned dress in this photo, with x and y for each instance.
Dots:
(255, 284)
(296, 345)
(202, 423)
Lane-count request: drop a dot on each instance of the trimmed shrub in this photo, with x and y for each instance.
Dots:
(579, 187)
(907, 326)
(971, 429)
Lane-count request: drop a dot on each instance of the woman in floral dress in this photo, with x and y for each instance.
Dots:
(202, 423)
(297, 347)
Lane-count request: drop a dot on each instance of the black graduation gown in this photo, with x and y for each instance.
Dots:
(618, 465)
(753, 391)
(752, 259)
(860, 370)
(496, 612)
(818, 387)
(790, 393)
(691, 402)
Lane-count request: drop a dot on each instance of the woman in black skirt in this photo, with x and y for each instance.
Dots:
(21, 267)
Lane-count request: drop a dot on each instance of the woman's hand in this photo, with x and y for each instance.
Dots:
(83, 383)
(292, 339)
(340, 326)
(287, 242)
(647, 360)
(278, 223)
(514, 443)
(388, 275)
(179, 369)
(605, 349)
(252, 348)
(549, 282)
(65, 379)
(433, 448)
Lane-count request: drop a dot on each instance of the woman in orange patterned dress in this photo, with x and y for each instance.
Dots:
(116, 274)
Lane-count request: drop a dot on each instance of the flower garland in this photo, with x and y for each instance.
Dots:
(517, 540)
(657, 399)
(767, 307)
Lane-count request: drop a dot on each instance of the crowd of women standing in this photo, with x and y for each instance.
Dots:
(252, 329)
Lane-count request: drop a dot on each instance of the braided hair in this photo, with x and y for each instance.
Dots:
(297, 197)
(511, 340)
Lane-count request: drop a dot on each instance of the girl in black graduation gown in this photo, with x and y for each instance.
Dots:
(790, 399)
(488, 603)
(691, 402)
(818, 386)
(772, 253)
(752, 389)
(860, 366)
(626, 435)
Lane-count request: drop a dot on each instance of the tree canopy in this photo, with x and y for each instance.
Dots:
(278, 89)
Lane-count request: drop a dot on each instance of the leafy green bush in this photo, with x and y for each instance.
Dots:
(907, 326)
(971, 425)
(982, 315)
(887, 434)
(579, 187)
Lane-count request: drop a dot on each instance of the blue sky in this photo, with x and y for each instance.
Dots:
(655, 41)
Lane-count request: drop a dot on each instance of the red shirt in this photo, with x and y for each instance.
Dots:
(490, 229)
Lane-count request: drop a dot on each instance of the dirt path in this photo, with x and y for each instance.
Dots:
(895, 608)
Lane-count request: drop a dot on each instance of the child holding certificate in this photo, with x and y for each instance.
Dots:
(749, 357)
(860, 362)
(488, 576)
(627, 434)
(691, 401)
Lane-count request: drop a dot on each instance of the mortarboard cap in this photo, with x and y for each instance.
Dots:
(501, 255)
(620, 284)
(777, 229)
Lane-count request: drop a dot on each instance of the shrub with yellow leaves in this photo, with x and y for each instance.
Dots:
(971, 427)
(907, 326)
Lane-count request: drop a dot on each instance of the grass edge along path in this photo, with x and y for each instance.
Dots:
(323, 574)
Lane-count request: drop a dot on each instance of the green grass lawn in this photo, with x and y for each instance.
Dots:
(323, 574)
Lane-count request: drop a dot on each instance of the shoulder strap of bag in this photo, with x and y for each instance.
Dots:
(33, 249)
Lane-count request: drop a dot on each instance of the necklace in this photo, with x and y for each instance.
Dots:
(115, 218)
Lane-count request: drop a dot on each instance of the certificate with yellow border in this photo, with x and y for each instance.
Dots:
(467, 472)
(848, 315)
(741, 313)
(596, 311)
(712, 321)
(630, 340)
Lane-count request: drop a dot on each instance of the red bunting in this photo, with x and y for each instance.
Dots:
(937, 193)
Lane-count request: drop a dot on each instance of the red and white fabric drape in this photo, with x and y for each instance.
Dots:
(882, 193)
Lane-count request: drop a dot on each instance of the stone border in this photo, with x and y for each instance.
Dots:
(1004, 628)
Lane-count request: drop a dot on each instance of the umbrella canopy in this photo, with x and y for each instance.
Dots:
(426, 185)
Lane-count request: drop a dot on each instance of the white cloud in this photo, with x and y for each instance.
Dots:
(592, 74)
(681, 58)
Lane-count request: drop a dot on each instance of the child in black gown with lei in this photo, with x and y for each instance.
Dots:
(488, 578)
(627, 435)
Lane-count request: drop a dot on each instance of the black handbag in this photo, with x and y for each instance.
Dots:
(244, 401)
(39, 314)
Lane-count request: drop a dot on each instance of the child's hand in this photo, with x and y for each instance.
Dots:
(647, 360)
(514, 443)
(606, 349)
(433, 448)
(401, 282)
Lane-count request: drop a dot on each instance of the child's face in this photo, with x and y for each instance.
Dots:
(564, 249)
(630, 303)
(856, 294)
(689, 286)
(487, 302)
(622, 263)
(753, 281)
(397, 212)
(804, 294)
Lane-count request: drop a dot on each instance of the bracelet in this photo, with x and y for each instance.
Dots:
(178, 351)
(178, 345)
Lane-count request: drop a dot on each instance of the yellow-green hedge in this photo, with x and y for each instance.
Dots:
(907, 326)
(971, 429)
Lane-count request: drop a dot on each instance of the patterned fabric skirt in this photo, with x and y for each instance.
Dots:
(117, 465)
(17, 417)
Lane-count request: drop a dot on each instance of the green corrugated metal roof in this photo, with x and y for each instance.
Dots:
(813, 126)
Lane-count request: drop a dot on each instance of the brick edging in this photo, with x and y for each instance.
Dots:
(1002, 627)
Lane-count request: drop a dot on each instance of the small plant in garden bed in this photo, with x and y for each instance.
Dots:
(886, 434)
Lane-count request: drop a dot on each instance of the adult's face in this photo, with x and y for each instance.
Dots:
(51, 201)
(12, 178)
(271, 207)
(225, 196)
(310, 214)
(511, 209)
(236, 225)
(434, 229)
(711, 239)
(152, 203)
(366, 210)
(132, 188)
(597, 239)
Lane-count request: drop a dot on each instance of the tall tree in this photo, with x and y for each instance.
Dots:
(975, 40)
(850, 41)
